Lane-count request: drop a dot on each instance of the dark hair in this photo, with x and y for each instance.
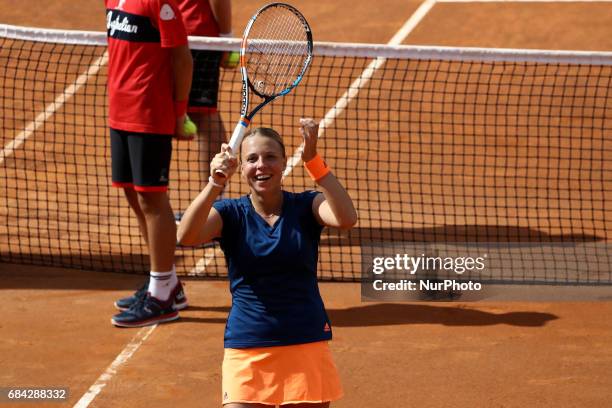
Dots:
(269, 133)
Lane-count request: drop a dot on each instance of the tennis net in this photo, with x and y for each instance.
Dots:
(444, 150)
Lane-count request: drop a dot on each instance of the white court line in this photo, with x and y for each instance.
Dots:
(121, 359)
(136, 342)
(362, 80)
(10, 147)
(201, 265)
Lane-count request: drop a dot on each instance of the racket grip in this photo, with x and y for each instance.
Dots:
(237, 136)
(235, 140)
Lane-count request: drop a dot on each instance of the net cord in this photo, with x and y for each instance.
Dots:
(339, 49)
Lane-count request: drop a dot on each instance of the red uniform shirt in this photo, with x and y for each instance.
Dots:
(199, 18)
(141, 34)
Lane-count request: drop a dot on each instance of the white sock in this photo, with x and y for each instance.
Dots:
(162, 283)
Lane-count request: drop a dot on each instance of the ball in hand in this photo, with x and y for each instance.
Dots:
(189, 127)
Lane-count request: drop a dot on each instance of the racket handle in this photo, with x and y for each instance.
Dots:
(237, 136)
(235, 141)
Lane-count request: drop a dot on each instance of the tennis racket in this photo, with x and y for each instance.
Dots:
(275, 53)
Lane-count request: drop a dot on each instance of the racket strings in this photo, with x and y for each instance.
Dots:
(275, 71)
(277, 47)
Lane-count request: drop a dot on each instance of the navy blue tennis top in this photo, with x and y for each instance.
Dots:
(273, 274)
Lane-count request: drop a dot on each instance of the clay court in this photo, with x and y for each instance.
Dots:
(56, 330)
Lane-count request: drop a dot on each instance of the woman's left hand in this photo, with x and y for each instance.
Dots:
(309, 129)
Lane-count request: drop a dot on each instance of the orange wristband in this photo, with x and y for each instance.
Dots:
(317, 168)
(180, 108)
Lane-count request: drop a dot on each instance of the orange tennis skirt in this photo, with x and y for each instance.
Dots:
(281, 375)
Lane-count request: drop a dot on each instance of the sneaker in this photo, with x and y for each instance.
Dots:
(146, 312)
(180, 300)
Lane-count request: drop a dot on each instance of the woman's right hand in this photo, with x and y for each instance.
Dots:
(224, 162)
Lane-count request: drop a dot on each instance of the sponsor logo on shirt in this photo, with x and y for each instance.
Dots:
(122, 25)
(126, 26)
(166, 13)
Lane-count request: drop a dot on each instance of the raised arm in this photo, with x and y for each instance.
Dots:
(333, 208)
(201, 222)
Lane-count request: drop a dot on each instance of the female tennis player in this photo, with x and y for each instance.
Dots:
(277, 332)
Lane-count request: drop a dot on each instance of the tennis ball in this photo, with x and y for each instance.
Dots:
(189, 127)
(233, 58)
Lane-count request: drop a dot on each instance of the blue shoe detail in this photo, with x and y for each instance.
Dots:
(180, 300)
(146, 312)
(127, 302)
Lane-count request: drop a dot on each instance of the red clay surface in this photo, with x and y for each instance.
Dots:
(56, 330)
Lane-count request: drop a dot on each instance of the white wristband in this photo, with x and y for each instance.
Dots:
(227, 35)
(211, 180)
